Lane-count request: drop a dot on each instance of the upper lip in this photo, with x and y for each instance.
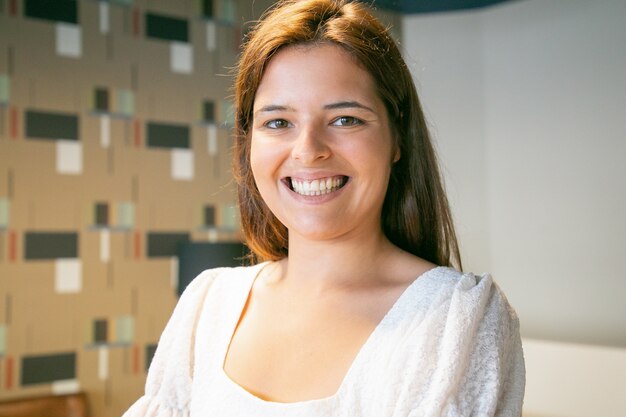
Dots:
(314, 175)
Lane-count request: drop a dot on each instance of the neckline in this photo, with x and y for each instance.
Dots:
(237, 311)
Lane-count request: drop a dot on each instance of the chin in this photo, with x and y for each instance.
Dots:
(315, 231)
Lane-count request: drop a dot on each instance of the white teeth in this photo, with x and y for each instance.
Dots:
(318, 186)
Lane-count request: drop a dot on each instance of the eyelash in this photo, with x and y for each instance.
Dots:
(352, 121)
(342, 121)
(272, 124)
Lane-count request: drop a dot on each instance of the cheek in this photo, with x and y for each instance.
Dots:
(265, 162)
(266, 150)
(260, 159)
(265, 165)
(375, 151)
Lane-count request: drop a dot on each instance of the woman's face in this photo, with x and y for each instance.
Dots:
(321, 147)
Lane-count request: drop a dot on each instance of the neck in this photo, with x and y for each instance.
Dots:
(340, 263)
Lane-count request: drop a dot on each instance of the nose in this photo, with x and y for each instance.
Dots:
(310, 146)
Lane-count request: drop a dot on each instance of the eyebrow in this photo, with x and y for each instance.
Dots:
(348, 105)
(332, 106)
(273, 107)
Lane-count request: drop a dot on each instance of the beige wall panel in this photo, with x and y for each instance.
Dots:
(42, 198)
(95, 271)
(43, 321)
(227, 44)
(31, 156)
(34, 41)
(53, 332)
(216, 169)
(156, 164)
(95, 156)
(105, 303)
(167, 107)
(172, 215)
(52, 207)
(125, 51)
(154, 62)
(5, 153)
(128, 386)
(121, 137)
(45, 80)
(5, 44)
(90, 381)
(54, 89)
(21, 275)
(21, 88)
(108, 170)
(167, 97)
(121, 254)
(96, 41)
(120, 20)
(127, 158)
(159, 165)
(6, 26)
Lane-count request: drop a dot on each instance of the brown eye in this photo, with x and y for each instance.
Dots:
(277, 124)
(346, 121)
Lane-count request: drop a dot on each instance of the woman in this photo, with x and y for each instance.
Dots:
(354, 309)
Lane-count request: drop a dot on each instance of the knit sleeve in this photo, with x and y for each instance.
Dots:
(494, 382)
(168, 385)
(480, 366)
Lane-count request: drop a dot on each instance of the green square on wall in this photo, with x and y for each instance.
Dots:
(230, 217)
(125, 102)
(126, 215)
(125, 329)
(227, 10)
(4, 212)
(5, 88)
(227, 113)
(3, 339)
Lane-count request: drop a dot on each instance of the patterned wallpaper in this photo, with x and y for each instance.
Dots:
(114, 147)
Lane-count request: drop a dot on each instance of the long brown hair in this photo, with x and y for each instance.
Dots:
(416, 216)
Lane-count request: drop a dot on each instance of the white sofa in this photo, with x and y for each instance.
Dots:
(572, 380)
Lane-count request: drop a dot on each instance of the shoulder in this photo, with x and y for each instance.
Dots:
(485, 333)
(171, 371)
(473, 343)
(212, 288)
(215, 278)
(468, 306)
(469, 289)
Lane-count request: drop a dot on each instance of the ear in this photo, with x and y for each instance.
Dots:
(396, 156)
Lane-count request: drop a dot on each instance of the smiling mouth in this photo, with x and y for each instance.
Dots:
(318, 186)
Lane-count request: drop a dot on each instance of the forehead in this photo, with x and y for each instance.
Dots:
(323, 72)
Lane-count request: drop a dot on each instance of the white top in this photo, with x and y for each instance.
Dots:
(449, 346)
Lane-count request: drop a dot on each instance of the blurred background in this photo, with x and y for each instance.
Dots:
(115, 180)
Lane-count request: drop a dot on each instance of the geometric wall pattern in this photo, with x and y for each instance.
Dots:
(114, 147)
